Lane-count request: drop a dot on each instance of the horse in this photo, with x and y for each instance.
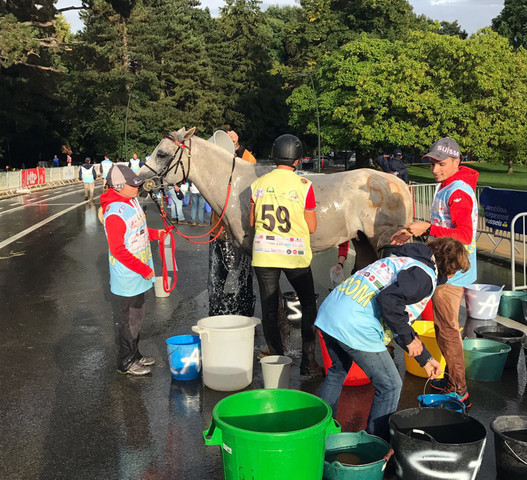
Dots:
(363, 205)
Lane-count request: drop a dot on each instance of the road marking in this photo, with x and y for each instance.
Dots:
(27, 231)
(35, 203)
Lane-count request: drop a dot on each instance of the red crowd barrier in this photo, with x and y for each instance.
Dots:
(33, 176)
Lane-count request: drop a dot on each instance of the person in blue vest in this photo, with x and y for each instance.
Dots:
(135, 163)
(130, 258)
(106, 164)
(359, 317)
(454, 214)
(88, 175)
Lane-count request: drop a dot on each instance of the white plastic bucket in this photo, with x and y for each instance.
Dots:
(158, 287)
(227, 350)
(276, 370)
(482, 300)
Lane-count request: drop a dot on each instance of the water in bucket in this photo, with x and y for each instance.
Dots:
(482, 300)
(356, 456)
(227, 343)
(184, 356)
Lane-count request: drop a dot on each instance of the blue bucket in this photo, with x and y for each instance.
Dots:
(184, 356)
(436, 400)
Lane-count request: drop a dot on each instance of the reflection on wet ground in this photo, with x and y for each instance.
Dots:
(67, 414)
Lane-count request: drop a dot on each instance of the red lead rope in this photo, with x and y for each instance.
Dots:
(168, 233)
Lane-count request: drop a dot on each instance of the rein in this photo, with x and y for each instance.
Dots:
(169, 224)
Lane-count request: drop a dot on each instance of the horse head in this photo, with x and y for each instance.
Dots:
(169, 161)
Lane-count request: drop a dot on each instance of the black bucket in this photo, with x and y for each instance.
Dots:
(510, 336)
(510, 444)
(431, 442)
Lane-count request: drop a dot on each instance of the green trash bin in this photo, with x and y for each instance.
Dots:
(484, 359)
(271, 434)
(511, 305)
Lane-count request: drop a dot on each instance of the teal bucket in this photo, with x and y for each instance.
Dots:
(355, 456)
(484, 359)
(184, 356)
(511, 305)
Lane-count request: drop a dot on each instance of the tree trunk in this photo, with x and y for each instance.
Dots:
(509, 169)
(125, 44)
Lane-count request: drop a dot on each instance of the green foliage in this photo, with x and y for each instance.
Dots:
(247, 36)
(452, 29)
(512, 22)
(375, 93)
(30, 70)
(17, 41)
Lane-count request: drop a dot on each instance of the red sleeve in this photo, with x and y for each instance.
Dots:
(460, 205)
(153, 234)
(116, 228)
(310, 199)
(344, 249)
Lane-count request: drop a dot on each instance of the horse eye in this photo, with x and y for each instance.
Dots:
(162, 154)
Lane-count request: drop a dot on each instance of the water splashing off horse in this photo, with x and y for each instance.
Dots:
(363, 205)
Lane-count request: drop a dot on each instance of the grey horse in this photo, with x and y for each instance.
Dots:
(363, 205)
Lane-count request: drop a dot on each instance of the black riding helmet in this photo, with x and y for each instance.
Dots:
(286, 150)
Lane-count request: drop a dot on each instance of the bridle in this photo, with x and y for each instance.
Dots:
(155, 183)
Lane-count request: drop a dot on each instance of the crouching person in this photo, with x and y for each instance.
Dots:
(387, 295)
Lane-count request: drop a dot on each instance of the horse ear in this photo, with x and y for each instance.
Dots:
(189, 133)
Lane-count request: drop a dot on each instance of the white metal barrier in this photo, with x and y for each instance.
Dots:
(519, 238)
(10, 182)
(423, 195)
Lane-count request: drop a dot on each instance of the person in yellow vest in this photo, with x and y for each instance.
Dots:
(283, 213)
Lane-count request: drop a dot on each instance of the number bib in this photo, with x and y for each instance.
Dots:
(281, 234)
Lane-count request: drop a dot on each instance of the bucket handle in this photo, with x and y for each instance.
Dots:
(422, 432)
(333, 427)
(199, 331)
(444, 373)
(514, 453)
(212, 436)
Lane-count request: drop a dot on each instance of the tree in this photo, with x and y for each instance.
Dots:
(375, 92)
(248, 37)
(33, 38)
(512, 22)
(453, 29)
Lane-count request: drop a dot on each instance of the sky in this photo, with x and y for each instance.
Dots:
(471, 14)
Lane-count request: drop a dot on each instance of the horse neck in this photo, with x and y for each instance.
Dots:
(210, 170)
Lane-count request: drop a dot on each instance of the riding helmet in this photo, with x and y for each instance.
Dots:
(286, 150)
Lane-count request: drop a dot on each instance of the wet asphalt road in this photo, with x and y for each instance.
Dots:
(67, 414)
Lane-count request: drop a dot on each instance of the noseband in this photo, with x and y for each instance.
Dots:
(155, 183)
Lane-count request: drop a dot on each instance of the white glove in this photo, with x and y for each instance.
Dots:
(336, 274)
